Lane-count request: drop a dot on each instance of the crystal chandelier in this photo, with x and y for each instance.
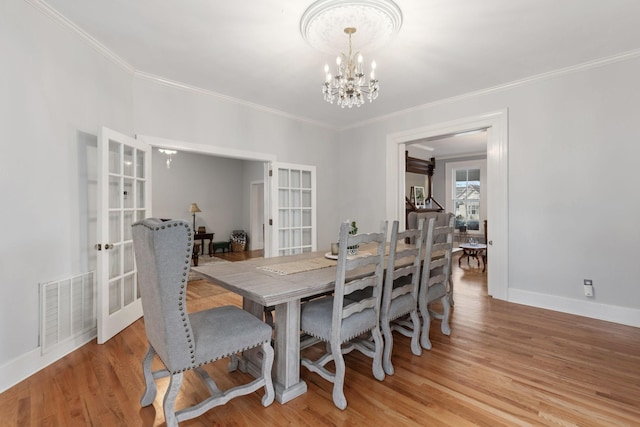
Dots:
(169, 154)
(349, 84)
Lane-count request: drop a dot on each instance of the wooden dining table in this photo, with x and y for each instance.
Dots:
(281, 282)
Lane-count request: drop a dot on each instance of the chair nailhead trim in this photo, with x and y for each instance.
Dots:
(181, 307)
(231, 353)
(217, 358)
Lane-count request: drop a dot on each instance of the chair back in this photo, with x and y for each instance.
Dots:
(403, 265)
(441, 218)
(368, 270)
(163, 257)
(437, 259)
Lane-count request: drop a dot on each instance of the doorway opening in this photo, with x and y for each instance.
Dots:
(223, 152)
(256, 212)
(497, 182)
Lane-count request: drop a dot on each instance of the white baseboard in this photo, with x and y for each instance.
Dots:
(610, 313)
(29, 363)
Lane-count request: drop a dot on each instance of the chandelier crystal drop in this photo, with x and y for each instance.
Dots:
(349, 84)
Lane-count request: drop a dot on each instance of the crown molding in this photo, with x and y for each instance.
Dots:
(194, 89)
(56, 16)
(516, 83)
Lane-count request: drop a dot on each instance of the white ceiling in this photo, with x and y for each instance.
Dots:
(254, 52)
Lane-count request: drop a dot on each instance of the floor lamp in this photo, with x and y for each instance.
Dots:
(193, 209)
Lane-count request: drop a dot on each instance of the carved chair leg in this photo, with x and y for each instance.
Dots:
(267, 363)
(426, 320)
(169, 402)
(415, 336)
(378, 372)
(426, 325)
(388, 348)
(444, 326)
(338, 382)
(150, 385)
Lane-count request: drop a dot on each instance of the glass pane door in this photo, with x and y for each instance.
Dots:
(293, 209)
(124, 180)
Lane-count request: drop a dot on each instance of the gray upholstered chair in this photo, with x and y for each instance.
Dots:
(436, 272)
(399, 310)
(343, 323)
(186, 341)
(442, 219)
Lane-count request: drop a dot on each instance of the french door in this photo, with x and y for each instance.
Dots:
(124, 196)
(292, 209)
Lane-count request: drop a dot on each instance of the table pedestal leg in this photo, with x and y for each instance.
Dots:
(286, 364)
(287, 347)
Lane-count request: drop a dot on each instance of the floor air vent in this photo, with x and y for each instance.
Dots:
(68, 309)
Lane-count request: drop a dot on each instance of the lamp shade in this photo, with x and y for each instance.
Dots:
(194, 208)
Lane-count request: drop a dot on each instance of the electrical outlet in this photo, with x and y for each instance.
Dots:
(588, 287)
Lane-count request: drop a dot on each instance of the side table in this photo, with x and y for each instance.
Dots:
(477, 251)
(194, 254)
(202, 237)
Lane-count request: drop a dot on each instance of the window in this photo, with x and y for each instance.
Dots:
(466, 198)
(465, 193)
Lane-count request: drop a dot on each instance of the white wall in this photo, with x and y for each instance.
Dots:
(55, 93)
(199, 118)
(216, 184)
(572, 149)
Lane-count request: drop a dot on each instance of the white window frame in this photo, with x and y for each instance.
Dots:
(450, 171)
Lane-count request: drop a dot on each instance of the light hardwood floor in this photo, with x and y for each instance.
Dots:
(504, 364)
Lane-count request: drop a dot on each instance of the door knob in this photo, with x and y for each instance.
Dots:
(490, 242)
(108, 246)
